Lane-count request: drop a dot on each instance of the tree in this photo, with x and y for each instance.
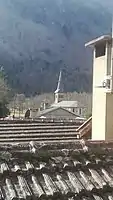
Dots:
(4, 94)
(4, 111)
(18, 103)
(5, 91)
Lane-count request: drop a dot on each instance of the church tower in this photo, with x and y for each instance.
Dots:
(58, 94)
(102, 105)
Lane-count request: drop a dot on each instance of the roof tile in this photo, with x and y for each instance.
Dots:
(51, 173)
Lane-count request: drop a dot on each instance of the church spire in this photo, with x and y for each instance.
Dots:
(58, 91)
(59, 83)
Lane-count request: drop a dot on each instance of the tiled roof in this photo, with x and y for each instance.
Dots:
(85, 130)
(38, 130)
(51, 109)
(80, 171)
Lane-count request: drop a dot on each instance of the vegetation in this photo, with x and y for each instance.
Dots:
(4, 111)
(39, 37)
(5, 94)
(20, 103)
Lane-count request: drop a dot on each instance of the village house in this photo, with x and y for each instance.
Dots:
(102, 109)
(62, 165)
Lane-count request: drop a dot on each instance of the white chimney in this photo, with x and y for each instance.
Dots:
(102, 110)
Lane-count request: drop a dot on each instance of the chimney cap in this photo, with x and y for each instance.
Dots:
(98, 40)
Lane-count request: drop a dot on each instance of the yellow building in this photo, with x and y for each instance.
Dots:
(102, 110)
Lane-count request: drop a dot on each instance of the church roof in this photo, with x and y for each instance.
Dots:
(79, 170)
(68, 104)
(51, 109)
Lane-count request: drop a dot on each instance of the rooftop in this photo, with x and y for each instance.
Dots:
(98, 40)
(40, 130)
(85, 128)
(68, 104)
(79, 170)
(51, 109)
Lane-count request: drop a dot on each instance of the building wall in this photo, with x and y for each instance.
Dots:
(99, 99)
(102, 111)
(109, 117)
(98, 115)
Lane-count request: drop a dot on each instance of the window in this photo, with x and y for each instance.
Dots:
(100, 50)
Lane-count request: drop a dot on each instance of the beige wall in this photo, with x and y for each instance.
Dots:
(99, 99)
(102, 111)
(109, 117)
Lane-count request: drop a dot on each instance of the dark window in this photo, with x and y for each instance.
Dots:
(100, 50)
(60, 95)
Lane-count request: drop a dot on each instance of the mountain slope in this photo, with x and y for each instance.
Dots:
(39, 37)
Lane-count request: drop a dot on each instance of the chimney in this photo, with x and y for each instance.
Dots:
(102, 105)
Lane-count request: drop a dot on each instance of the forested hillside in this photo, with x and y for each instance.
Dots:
(38, 37)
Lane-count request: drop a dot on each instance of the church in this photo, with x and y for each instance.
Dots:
(73, 106)
(60, 108)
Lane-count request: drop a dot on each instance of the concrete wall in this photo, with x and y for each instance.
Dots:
(99, 99)
(109, 117)
(102, 110)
